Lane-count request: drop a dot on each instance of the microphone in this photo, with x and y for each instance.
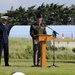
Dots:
(54, 33)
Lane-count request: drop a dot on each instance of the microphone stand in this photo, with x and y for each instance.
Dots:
(54, 34)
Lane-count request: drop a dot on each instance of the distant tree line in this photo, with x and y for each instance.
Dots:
(52, 14)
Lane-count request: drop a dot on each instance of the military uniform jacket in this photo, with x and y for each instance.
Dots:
(4, 32)
(37, 29)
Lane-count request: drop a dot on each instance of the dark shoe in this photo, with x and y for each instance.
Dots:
(7, 65)
(38, 66)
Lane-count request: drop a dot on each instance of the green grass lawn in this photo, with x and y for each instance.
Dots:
(18, 46)
(24, 65)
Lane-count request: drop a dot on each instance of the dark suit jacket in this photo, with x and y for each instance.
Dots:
(4, 32)
(36, 29)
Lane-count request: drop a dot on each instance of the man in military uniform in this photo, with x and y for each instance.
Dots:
(37, 28)
(4, 32)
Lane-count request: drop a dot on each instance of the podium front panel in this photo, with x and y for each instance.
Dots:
(44, 37)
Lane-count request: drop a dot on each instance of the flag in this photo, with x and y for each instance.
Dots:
(62, 36)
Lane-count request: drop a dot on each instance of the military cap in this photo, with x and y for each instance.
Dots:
(4, 17)
(38, 16)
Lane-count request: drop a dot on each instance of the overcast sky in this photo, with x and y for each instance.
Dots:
(6, 4)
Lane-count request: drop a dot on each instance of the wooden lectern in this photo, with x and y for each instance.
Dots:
(43, 38)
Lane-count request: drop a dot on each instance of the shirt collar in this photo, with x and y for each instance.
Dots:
(4, 24)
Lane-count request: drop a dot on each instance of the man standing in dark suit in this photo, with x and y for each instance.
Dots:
(37, 28)
(4, 31)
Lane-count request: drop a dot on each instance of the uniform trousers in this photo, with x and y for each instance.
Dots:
(37, 53)
(6, 53)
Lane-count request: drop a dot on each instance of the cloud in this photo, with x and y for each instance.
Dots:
(6, 4)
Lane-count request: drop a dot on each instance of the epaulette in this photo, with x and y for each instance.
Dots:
(35, 23)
